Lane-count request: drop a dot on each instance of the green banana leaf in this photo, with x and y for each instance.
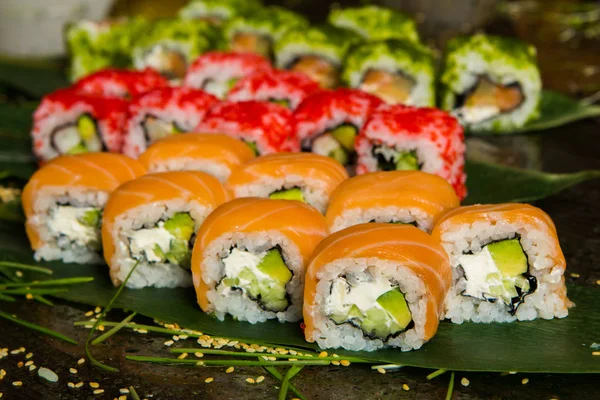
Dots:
(33, 78)
(556, 346)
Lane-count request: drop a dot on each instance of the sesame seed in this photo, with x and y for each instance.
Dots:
(2, 372)
(20, 364)
(345, 363)
(465, 382)
(200, 363)
(250, 381)
(97, 310)
(260, 379)
(183, 337)
(123, 397)
(79, 384)
(293, 352)
(101, 328)
(124, 391)
(169, 343)
(229, 370)
(335, 355)
(47, 374)
(335, 362)
(198, 354)
(182, 356)
(175, 338)
(1, 394)
(272, 358)
(405, 387)
(323, 354)
(142, 331)
(28, 363)
(89, 313)
(98, 391)
(19, 274)
(22, 349)
(525, 381)
(598, 282)
(16, 351)
(291, 359)
(94, 385)
(71, 385)
(72, 370)
(28, 355)
(29, 296)
(81, 361)
(575, 275)
(250, 350)
(596, 353)
(17, 383)
(381, 370)
(32, 367)
(209, 380)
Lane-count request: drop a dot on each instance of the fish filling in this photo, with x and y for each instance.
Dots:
(393, 88)
(262, 277)
(251, 42)
(498, 272)
(337, 143)
(294, 193)
(487, 99)
(81, 136)
(156, 128)
(217, 87)
(373, 304)
(320, 70)
(169, 62)
(169, 241)
(390, 159)
(79, 226)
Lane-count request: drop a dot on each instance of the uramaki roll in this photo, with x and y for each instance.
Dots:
(506, 261)
(375, 285)
(63, 203)
(250, 257)
(151, 223)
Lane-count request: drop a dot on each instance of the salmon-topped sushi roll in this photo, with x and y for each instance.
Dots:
(397, 197)
(250, 257)
(506, 261)
(217, 155)
(122, 83)
(375, 285)
(309, 178)
(63, 203)
(150, 224)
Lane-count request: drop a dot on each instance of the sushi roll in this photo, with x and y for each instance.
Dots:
(265, 127)
(317, 52)
(375, 285)
(218, 11)
(216, 72)
(170, 46)
(63, 203)
(66, 122)
(259, 31)
(327, 122)
(398, 197)
(506, 262)
(150, 223)
(408, 138)
(309, 178)
(491, 83)
(286, 88)
(399, 72)
(164, 112)
(120, 83)
(250, 257)
(375, 23)
(216, 155)
(96, 45)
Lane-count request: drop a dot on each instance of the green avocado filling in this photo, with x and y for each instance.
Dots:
(390, 159)
(254, 147)
(91, 218)
(282, 102)
(337, 143)
(288, 194)
(155, 128)
(79, 137)
(345, 135)
(263, 277)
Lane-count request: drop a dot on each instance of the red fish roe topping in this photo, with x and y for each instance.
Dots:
(188, 99)
(247, 61)
(120, 83)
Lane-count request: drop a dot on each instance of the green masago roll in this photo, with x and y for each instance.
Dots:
(375, 23)
(218, 11)
(97, 45)
(399, 72)
(490, 82)
(171, 45)
(318, 52)
(257, 33)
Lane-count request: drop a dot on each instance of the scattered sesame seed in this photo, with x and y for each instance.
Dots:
(525, 381)
(78, 385)
(169, 343)
(465, 382)
(22, 349)
(123, 397)
(183, 337)
(200, 363)
(98, 391)
(101, 328)
(1, 394)
(20, 364)
(16, 351)
(2, 372)
(272, 358)
(28, 355)
(72, 370)
(94, 385)
(142, 331)
(290, 359)
(47, 374)
(209, 380)
(198, 354)
(598, 282)
(229, 370)
(124, 391)
(323, 354)
(250, 380)
(345, 363)
(335, 362)
(182, 356)
(575, 275)
(175, 338)
(293, 352)
(81, 361)
(97, 310)
(17, 383)
(71, 385)
(381, 370)
(32, 367)
(335, 355)
(28, 363)
(260, 379)
(405, 387)
(89, 313)
(250, 350)
(19, 274)
(29, 296)
(596, 353)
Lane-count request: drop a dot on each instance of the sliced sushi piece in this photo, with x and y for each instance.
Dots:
(507, 264)
(218, 12)
(372, 286)
(258, 31)
(265, 127)
(164, 112)
(170, 46)
(327, 122)
(122, 83)
(217, 72)
(151, 223)
(408, 138)
(305, 177)
(399, 72)
(398, 197)
(491, 83)
(96, 45)
(66, 122)
(63, 203)
(217, 155)
(375, 23)
(286, 88)
(317, 52)
(250, 257)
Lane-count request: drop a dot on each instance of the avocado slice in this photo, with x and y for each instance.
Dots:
(79, 149)
(288, 194)
(345, 135)
(158, 251)
(270, 292)
(180, 225)
(407, 161)
(509, 257)
(340, 155)
(253, 147)
(377, 322)
(179, 253)
(394, 303)
(282, 102)
(91, 218)
(86, 127)
(273, 265)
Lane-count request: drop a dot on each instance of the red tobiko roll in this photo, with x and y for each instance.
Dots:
(120, 83)
(265, 127)
(68, 122)
(287, 88)
(328, 121)
(164, 112)
(410, 138)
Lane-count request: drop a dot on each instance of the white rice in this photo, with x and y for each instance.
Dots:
(237, 304)
(355, 216)
(211, 167)
(330, 335)
(218, 72)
